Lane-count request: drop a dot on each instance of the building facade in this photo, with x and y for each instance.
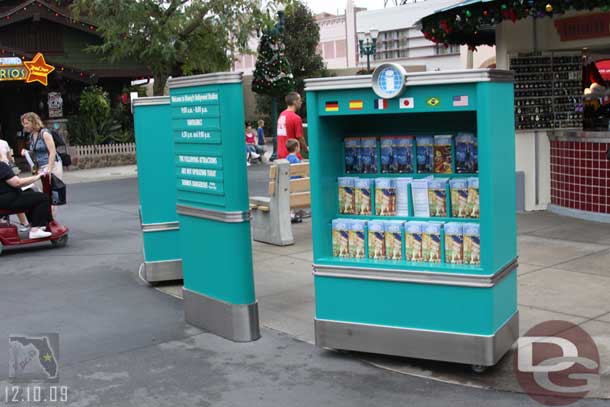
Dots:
(29, 28)
(399, 41)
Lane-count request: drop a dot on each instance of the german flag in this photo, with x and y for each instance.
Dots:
(356, 105)
(332, 106)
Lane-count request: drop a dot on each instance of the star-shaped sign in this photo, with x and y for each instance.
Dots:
(38, 70)
(47, 358)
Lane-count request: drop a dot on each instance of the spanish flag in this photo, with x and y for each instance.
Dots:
(356, 105)
(332, 106)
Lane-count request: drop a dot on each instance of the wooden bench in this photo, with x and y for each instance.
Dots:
(271, 215)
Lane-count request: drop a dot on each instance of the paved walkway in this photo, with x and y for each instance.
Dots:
(564, 274)
(124, 344)
(100, 174)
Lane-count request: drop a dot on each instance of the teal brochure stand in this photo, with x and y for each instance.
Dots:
(465, 313)
(212, 204)
(157, 180)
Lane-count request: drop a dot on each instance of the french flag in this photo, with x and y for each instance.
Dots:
(381, 104)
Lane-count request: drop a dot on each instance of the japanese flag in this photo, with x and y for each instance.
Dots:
(406, 103)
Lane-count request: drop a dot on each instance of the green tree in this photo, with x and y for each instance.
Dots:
(95, 122)
(301, 37)
(172, 37)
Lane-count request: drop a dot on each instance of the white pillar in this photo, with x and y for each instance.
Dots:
(350, 34)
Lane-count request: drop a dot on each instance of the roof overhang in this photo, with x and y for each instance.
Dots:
(473, 22)
(38, 9)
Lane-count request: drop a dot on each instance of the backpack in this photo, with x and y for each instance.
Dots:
(60, 144)
(57, 138)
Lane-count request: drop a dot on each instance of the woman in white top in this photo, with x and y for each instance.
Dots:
(5, 150)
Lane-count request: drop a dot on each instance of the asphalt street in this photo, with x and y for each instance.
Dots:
(123, 343)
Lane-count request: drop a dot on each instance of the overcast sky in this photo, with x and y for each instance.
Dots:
(332, 6)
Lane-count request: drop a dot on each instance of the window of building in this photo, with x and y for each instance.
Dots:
(329, 50)
(392, 45)
(441, 49)
(341, 47)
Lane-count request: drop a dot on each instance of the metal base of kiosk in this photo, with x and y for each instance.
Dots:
(167, 270)
(484, 350)
(238, 323)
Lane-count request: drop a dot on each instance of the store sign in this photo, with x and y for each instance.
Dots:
(36, 70)
(584, 27)
(12, 69)
(56, 104)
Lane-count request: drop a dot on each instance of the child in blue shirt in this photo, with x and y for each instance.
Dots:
(292, 145)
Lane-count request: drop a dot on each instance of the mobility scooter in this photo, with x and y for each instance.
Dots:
(11, 235)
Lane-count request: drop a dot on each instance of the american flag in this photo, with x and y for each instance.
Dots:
(460, 101)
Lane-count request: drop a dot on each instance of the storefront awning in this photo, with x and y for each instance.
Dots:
(473, 22)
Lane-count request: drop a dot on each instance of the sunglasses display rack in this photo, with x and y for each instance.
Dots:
(548, 90)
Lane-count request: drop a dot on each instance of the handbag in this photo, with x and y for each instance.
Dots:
(58, 191)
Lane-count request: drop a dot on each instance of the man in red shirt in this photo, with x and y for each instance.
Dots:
(290, 125)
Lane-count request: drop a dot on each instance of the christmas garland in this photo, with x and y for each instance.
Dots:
(474, 23)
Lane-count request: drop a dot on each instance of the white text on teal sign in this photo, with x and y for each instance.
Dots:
(198, 172)
(210, 186)
(194, 159)
(195, 97)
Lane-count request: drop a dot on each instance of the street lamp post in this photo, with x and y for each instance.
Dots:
(368, 45)
(277, 30)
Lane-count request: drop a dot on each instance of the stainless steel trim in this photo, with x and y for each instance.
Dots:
(221, 216)
(151, 101)
(474, 349)
(579, 135)
(420, 277)
(413, 79)
(236, 322)
(160, 227)
(166, 270)
(206, 79)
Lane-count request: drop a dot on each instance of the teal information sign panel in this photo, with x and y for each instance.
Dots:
(157, 180)
(212, 204)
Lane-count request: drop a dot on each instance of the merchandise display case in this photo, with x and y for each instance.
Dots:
(548, 90)
(443, 302)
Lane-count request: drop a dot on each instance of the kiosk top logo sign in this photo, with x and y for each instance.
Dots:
(389, 80)
(36, 70)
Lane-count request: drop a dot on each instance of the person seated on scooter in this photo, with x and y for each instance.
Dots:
(6, 156)
(35, 204)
